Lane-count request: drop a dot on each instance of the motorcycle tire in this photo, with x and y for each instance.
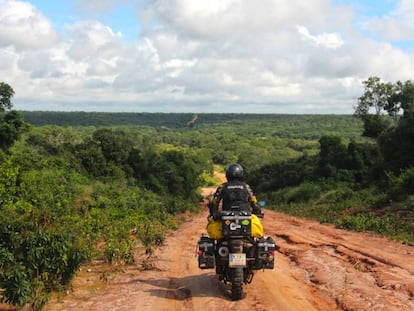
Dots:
(237, 284)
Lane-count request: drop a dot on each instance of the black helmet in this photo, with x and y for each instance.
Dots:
(234, 171)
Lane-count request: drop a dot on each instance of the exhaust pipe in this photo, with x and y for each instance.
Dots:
(223, 251)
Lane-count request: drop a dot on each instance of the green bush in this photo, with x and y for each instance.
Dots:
(387, 224)
(402, 185)
(119, 251)
(305, 192)
(38, 261)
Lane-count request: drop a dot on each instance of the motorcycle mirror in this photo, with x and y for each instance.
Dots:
(262, 203)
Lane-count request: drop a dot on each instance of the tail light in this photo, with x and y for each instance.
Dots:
(271, 256)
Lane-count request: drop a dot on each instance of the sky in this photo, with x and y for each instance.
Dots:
(198, 56)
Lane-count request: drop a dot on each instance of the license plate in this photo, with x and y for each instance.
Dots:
(237, 260)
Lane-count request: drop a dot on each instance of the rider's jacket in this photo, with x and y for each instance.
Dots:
(235, 195)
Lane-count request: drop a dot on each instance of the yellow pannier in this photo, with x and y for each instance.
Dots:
(214, 229)
(257, 227)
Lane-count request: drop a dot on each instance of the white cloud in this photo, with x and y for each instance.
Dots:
(199, 56)
(328, 40)
(23, 27)
(396, 25)
(215, 19)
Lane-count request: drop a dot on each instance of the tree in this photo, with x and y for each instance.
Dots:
(115, 144)
(92, 158)
(6, 93)
(11, 123)
(12, 126)
(374, 125)
(402, 98)
(397, 144)
(377, 96)
(332, 152)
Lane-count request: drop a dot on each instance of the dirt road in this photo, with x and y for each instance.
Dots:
(317, 267)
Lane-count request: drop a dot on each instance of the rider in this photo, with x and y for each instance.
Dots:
(235, 194)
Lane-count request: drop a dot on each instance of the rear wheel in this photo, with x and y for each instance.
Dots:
(237, 284)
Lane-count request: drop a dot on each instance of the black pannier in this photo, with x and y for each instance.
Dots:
(265, 256)
(205, 252)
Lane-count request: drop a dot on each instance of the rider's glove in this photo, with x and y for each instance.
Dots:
(258, 212)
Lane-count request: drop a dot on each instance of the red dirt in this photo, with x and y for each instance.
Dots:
(317, 267)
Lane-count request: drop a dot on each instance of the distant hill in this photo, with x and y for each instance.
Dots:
(175, 120)
(79, 118)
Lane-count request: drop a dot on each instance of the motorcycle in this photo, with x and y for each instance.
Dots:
(237, 255)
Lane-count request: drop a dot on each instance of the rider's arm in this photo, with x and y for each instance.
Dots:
(214, 203)
(256, 209)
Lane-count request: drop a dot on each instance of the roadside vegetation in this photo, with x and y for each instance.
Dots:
(75, 187)
(364, 184)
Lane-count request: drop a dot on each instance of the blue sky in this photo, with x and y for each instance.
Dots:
(382, 9)
(370, 8)
(202, 56)
(120, 17)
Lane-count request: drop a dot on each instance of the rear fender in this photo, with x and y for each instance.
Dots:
(236, 246)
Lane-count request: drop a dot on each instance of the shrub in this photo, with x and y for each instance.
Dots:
(42, 260)
(402, 185)
(305, 192)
